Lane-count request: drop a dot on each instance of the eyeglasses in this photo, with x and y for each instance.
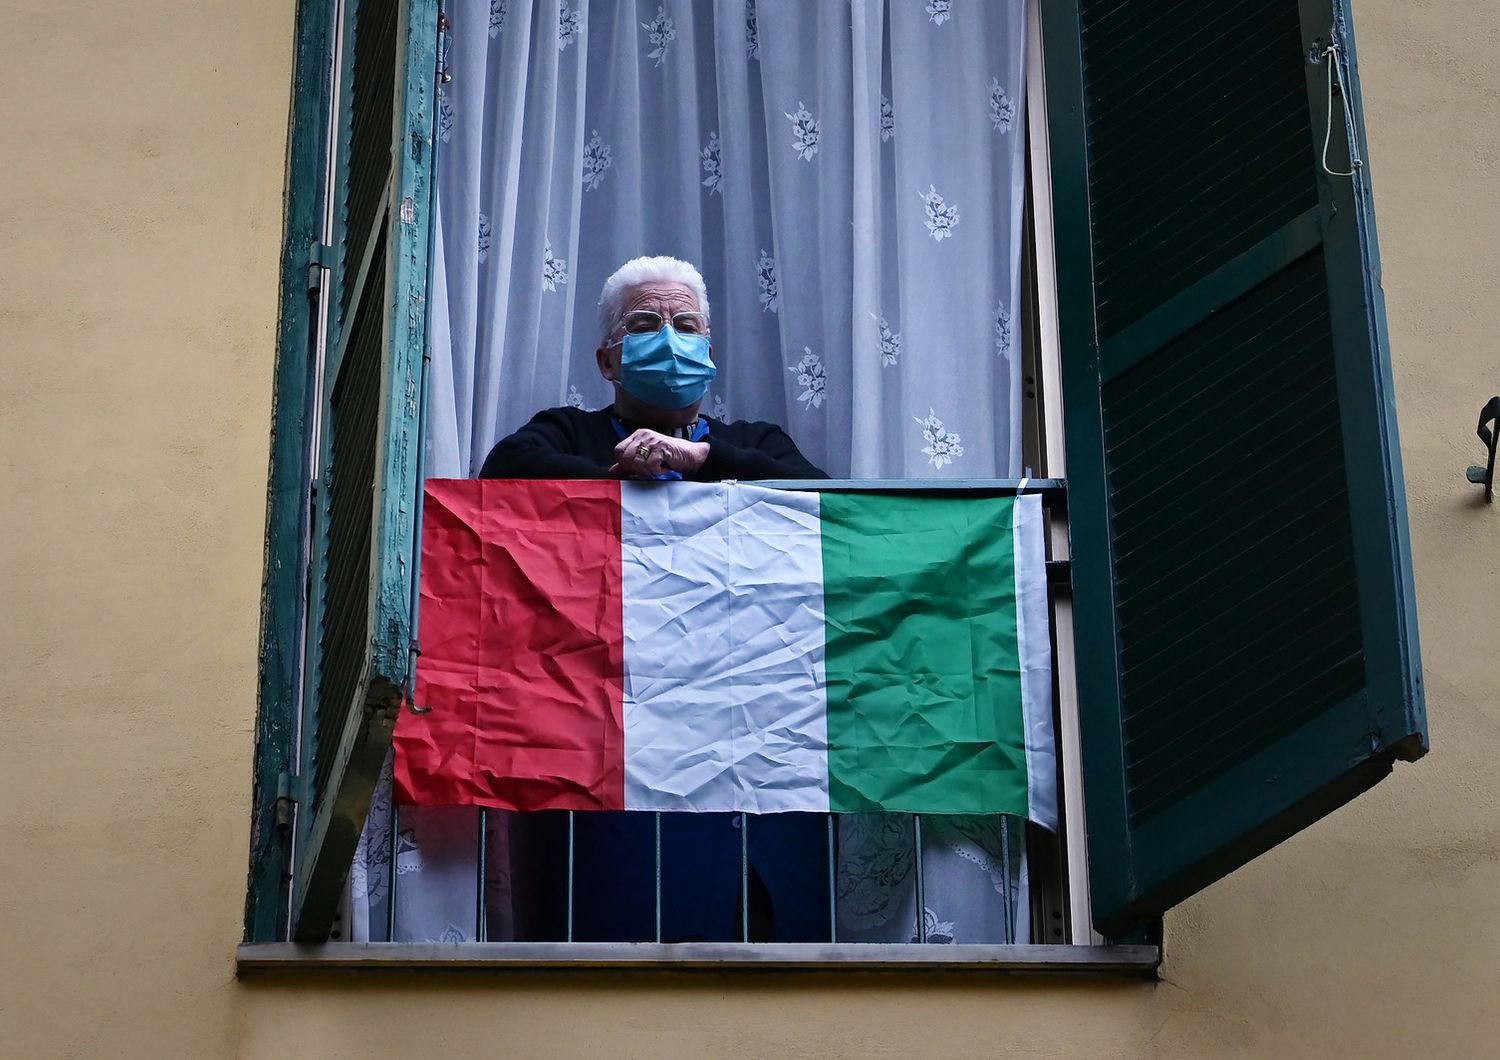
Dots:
(648, 322)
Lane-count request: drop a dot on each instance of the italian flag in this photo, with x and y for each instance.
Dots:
(605, 645)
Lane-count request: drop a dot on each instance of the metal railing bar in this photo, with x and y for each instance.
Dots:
(570, 875)
(1009, 909)
(1052, 490)
(745, 877)
(916, 830)
(833, 886)
(481, 859)
(390, 872)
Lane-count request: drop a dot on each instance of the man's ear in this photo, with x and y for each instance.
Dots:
(606, 366)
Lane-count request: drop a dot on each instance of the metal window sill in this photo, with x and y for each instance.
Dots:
(257, 958)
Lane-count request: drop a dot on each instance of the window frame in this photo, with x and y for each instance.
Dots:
(1048, 350)
(305, 270)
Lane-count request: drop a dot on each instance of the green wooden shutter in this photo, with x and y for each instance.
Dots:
(1245, 616)
(368, 433)
(281, 612)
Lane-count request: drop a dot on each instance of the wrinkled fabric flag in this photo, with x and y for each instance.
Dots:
(602, 645)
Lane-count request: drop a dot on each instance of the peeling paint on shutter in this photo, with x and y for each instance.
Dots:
(365, 519)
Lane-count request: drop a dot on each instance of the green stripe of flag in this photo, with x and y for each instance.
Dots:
(922, 660)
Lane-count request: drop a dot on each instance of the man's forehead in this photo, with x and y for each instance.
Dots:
(661, 291)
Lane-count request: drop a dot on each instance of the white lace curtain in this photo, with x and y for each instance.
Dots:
(848, 175)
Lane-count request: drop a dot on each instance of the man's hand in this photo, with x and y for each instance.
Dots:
(647, 454)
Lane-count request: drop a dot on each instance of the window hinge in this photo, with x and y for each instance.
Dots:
(284, 800)
(319, 260)
(411, 681)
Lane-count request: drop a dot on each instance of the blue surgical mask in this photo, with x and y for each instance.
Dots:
(666, 368)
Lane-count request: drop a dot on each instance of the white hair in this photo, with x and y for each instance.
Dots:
(638, 272)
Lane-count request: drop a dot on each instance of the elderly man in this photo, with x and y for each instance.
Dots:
(655, 348)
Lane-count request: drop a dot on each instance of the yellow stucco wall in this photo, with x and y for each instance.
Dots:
(140, 196)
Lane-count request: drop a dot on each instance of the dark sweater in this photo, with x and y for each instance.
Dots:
(573, 443)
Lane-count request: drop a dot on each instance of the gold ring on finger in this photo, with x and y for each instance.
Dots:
(643, 451)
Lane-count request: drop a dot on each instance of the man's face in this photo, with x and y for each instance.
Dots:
(664, 299)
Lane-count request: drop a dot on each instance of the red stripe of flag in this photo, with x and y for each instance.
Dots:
(522, 664)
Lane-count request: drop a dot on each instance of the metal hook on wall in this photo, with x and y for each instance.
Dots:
(1489, 434)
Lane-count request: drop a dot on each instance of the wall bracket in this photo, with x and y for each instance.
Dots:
(1489, 434)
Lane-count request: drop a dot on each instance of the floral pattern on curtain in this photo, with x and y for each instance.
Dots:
(847, 175)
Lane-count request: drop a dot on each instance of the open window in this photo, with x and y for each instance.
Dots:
(1207, 313)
